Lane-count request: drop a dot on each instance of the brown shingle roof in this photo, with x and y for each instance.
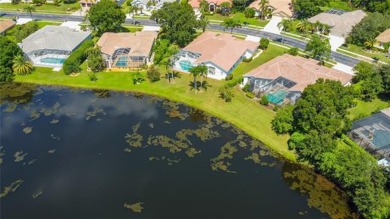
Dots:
(384, 37)
(300, 70)
(6, 25)
(280, 6)
(341, 24)
(140, 43)
(222, 49)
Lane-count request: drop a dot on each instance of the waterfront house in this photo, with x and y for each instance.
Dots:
(51, 45)
(127, 50)
(283, 78)
(220, 52)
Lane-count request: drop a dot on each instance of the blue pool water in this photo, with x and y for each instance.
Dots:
(185, 65)
(122, 61)
(277, 97)
(53, 60)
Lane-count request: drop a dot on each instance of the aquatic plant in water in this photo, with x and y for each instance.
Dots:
(323, 194)
(94, 113)
(27, 130)
(134, 139)
(19, 156)
(2, 154)
(51, 151)
(11, 188)
(137, 207)
(36, 195)
(54, 121)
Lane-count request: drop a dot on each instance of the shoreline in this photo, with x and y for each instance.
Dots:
(189, 101)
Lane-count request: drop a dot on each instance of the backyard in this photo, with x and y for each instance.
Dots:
(180, 91)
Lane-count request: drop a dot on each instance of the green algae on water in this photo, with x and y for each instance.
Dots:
(2, 154)
(19, 156)
(27, 130)
(36, 195)
(136, 207)
(11, 188)
(134, 139)
(54, 121)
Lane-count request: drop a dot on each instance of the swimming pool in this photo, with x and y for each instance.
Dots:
(277, 97)
(122, 61)
(185, 65)
(55, 61)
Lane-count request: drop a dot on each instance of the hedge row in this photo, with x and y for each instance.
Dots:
(73, 62)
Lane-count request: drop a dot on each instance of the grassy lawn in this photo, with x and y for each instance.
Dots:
(364, 109)
(62, 8)
(241, 17)
(133, 28)
(242, 112)
(359, 50)
(272, 52)
(45, 23)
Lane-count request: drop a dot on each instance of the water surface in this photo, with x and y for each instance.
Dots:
(70, 153)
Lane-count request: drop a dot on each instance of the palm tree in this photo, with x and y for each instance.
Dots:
(231, 23)
(203, 5)
(285, 25)
(169, 67)
(263, 5)
(21, 66)
(304, 26)
(29, 9)
(195, 71)
(203, 22)
(369, 43)
(203, 70)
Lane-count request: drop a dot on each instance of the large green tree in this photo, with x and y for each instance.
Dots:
(306, 8)
(369, 28)
(95, 60)
(106, 16)
(319, 48)
(317, 122)
(370, 80)
(178, 22)
(9, 50)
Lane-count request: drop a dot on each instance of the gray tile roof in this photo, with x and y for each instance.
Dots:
(54, 38)
(341, 24)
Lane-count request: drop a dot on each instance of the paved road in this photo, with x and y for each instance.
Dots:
(338, 57)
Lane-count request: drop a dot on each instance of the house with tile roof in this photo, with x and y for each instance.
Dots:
(51, 45)
(127, 50)
(284, 78)
(281, 8)
(341, 23)
(220, 52)
(154, 4)
(6, 25)
(383, 38)
(212, 4)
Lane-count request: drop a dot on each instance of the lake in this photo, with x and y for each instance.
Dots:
(71, 153)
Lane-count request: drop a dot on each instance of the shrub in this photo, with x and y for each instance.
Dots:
(92, 77)
(138, 78)
(293, 51)
(226, 93)
(23, 31)
(73, 62)
(246, 88)
(276, 108)
(229, 77)
(264, 42)
(249, 12)
(247, 59)
(250, 95)
(264, 100)
(153, 74)
(233, 82)
(39, 2)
